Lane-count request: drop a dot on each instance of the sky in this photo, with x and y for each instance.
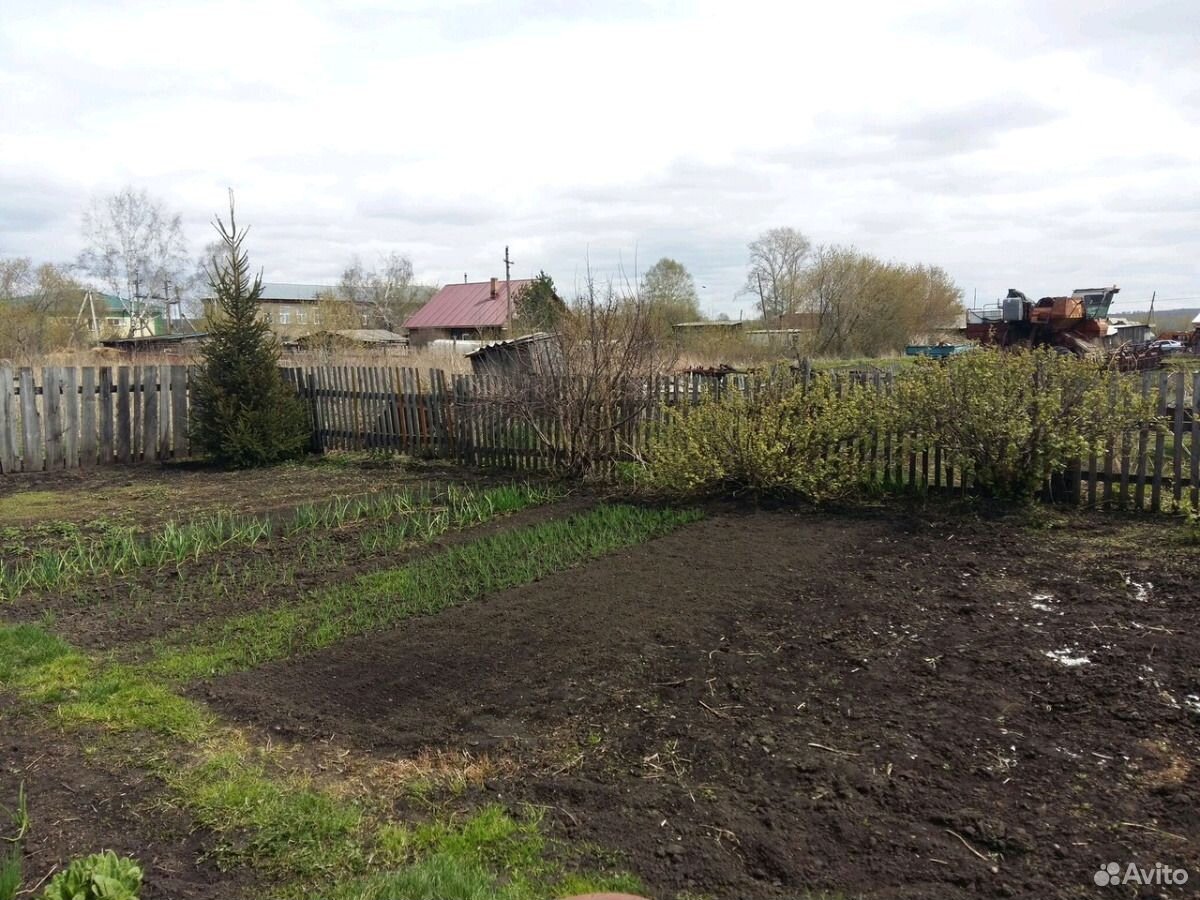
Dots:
(1043, 145)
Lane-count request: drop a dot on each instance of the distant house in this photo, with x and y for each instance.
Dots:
(472, 311)
(107, 315)
(295, 310)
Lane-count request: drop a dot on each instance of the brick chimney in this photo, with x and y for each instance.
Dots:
(495, 288)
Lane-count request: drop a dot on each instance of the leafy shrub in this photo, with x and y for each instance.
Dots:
(782, 439)
(101, 876)
(1014, 419)
(242, 412)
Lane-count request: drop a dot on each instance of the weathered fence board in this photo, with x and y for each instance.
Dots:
(8, 423)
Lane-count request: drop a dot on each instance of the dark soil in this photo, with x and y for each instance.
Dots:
(766, 704)
(78, 805)
(106, 614)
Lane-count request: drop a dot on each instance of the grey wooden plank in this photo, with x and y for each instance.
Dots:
(180, 439)
(1109, 453)
(371, 430)
(164, 412)
(136, 421)
(352, 407)
(1194, 446)
(1139, 493)
(104, 400)
(332, 387)
(312, 374)
(124, 415)
(1177, 444)
(335, 407)
(348, 429)
(1160, 440)
(87, 417)
(33, 457)
(9, 459)
(70, 417)
(395, 413)
(149, 413)
(52, 416)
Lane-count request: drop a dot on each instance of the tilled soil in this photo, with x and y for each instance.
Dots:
(78, 804)
(763, 705)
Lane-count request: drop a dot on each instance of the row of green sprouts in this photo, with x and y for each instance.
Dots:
(414, 514)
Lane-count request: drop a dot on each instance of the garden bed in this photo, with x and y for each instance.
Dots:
(760, 705)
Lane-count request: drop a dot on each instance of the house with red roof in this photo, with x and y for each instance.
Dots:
(474, 311)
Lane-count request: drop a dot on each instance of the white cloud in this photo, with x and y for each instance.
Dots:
(1015, 144)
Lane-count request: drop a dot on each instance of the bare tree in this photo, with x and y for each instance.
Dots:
(777, 260)
(589, 385)
(39, 309)
(135, 248)
(386, 296)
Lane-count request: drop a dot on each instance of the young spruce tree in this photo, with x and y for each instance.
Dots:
(243, 414)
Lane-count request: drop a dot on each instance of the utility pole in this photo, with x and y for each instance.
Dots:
(133, 310)
(508, 291)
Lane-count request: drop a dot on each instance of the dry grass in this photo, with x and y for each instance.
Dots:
(441, 770)
(453, 363)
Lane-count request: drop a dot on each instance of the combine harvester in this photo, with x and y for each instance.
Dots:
(1077, 324)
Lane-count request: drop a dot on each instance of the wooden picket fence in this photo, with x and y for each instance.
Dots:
(65, 418)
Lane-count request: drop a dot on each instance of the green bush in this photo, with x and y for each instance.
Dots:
(243, 414)
(101, 876)
(1014, 419)
(781, 439)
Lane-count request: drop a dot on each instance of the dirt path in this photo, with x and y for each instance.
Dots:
(765, 704)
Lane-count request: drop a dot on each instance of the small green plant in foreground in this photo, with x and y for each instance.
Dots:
(101, 876)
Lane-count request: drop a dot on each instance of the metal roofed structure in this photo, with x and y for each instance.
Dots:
(473, 310)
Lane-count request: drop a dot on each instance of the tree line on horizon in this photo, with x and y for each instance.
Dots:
(851, 303)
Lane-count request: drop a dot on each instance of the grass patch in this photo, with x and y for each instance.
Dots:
(30, 505)
(275, 823)
(425, 586)
(489, 856)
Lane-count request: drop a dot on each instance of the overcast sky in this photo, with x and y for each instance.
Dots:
(1045, 145)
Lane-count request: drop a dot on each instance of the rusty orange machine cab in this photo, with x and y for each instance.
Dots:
(1061, 313)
